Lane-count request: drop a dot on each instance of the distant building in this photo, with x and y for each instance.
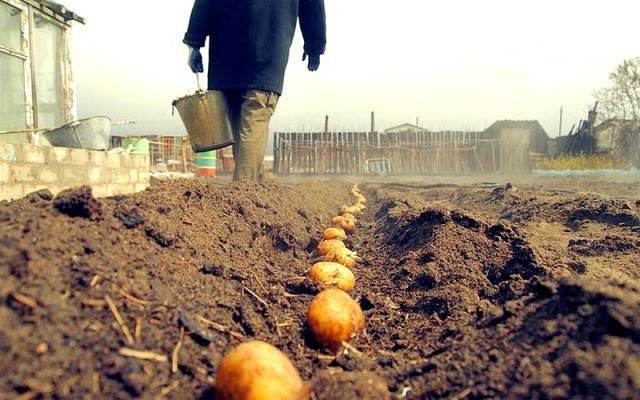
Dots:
(615, 136)
(620, 138)
(36, 84)
(405, 128)
(538, 138)
(520, 141)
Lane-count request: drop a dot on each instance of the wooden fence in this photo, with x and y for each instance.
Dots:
(406, 153)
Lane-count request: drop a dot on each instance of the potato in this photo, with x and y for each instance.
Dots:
(327, 246)
(333, 274)
(344, 257)
(334, 317)
(349, 217)
(355, 209)
(349, 226)
(334, 234)
(361, 199)
(258, 371)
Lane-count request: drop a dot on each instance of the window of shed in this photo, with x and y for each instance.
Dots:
(10, 27)
(48, 51)
(12, 93)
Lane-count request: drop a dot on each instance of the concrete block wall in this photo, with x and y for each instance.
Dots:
(26, 168)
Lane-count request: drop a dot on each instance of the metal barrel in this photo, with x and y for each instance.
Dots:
(206, 163)
(206, 117)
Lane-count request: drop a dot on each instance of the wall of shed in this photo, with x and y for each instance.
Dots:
(25, 168)
(69, 96)
(515, 158)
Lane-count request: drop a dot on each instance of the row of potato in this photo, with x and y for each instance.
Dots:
(257, 370)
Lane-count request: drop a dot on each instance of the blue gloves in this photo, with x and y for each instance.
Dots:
(196, 65)
(314, 61)
(195, 60)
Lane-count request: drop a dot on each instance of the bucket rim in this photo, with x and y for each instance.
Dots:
(76, 123)
(205, 149)
(199, 93)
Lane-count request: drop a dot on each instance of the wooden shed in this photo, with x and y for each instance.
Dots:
(36, 88)
(519, 141)
(538, 137)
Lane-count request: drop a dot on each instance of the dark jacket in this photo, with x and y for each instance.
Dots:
(250, 39)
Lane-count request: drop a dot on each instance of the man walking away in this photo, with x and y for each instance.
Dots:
(249, 42)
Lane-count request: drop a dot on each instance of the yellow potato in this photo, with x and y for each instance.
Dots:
(344, 257)
(334, 234)
(361, 199)
(327, 246)
(348, 217)
(258, 371)
(348, 225)
(355, 209)
(333, 274)
(334, 317)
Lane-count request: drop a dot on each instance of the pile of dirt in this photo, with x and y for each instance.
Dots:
(585, 337)
(495, 322)
(449, 261)
(576, 338)
(573, 210)
(607, 245)
(81, 279)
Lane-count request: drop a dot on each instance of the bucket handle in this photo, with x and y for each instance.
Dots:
(173, 105)
(198, 82)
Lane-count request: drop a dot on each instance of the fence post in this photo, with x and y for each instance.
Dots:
(184, 155)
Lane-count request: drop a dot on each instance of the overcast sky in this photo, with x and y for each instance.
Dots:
(455, 64)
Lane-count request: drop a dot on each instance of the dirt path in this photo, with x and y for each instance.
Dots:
(470, 291)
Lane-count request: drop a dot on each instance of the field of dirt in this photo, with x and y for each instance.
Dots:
(470, 290)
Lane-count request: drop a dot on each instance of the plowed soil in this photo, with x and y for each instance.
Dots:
(475, 291)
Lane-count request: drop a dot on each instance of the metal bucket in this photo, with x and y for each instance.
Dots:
(206, 117)
(87, 134)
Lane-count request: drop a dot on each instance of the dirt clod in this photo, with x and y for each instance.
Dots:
(79, 203)
(350, 386)
(130, 218)
(43, 195)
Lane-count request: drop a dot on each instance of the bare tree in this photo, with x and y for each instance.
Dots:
(621, 100)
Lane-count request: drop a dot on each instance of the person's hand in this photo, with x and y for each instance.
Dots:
(195, 60)
(314, 61)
